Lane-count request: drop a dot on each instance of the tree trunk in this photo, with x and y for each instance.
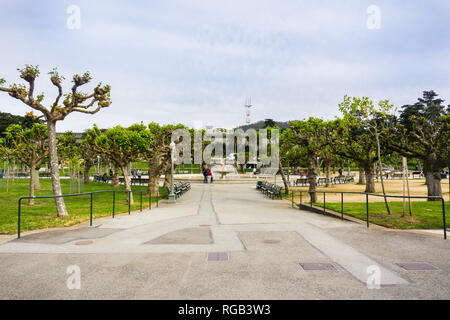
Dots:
(433, 181)
(285, 181)
(362, 178)
(370, 183)
(312, 178)
(87, 168)
(34, 171)
(381, 166)
(116, 176)
(167, 175)
(126, 178)
(54, 169)
(153, 179)
(328, 173)
(32, 183)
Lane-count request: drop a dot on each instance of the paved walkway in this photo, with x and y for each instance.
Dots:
(162, 253)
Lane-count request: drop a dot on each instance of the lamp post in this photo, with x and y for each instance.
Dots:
(172, 152)
(98, 164)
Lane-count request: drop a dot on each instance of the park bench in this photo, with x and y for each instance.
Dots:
(321, 181)
(418, 173)
(301, 182)
(139, 181)
(269, 189)
(397, 174)
(338, 180)
(349, 178)
(179, 189)
(44, 174)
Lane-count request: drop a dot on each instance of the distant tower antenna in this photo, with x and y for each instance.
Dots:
(248, 105)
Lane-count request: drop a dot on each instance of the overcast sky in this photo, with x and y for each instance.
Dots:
(186, 61)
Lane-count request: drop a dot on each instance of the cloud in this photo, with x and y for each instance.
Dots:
(178, 61)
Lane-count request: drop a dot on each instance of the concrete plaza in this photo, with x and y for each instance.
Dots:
(162, 254)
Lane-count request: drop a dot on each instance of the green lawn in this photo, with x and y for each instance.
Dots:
(425, 214)
(43, 213)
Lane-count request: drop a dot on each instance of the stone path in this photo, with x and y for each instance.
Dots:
(266, 241)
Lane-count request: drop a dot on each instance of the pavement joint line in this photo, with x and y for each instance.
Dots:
(350, 259)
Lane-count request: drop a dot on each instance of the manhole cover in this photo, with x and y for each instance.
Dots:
(205, 225)
(271, 241)
(317, 266)
(217, 256)
(83, 243)
(416, 266)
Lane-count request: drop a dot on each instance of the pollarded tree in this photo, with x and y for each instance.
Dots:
(73, 101)
(89, 156)
(370, 124)
(311, 136)
(68, 150)
(423, 132)
(157, 151)
(121, 145)
(28, 146)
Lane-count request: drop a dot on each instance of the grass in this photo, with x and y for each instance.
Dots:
(425, 214)
(43, 213)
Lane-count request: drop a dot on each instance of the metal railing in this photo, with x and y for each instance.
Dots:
(300, 205)
(91, 202)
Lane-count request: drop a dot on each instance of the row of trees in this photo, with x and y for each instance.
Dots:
(367, 134)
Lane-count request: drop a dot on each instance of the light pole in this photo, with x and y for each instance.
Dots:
(98, 164)
(172, 152)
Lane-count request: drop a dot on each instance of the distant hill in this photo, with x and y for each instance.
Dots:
(264, 124)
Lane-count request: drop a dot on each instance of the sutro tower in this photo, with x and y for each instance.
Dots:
(248, 105)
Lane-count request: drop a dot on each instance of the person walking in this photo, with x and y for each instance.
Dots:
(139, 175)
(210, 176)
(205, 175)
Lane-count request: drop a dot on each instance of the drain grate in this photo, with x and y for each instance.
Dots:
(416, 266)
(84, 242)
(317, 266)
(217, 256)
(271, 241)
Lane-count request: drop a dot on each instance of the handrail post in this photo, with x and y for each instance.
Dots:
(299, 207)
(443, 217)
(129, 202)
(141, 201)
(324, 212)
(342, 205)
(157, 197)
(150, 199)
(90, 223)
(367, 209)
(18, 219)
(292, 199)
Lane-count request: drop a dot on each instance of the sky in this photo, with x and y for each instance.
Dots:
(195, 62)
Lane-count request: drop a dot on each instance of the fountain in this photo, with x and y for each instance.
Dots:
(224, 169)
